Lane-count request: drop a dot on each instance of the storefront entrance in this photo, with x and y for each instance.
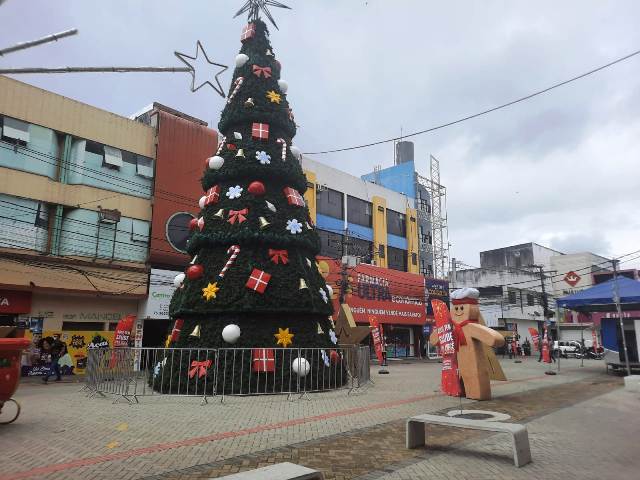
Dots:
(400, 341)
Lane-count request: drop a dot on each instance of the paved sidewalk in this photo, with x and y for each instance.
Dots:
(64, 434)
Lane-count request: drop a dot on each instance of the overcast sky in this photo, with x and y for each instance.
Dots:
(562, 169)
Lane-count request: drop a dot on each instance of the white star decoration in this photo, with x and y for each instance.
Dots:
(332, 334)
(323, 294)
(199, 48)
(294, 226)
(263, 157)
(234, 192)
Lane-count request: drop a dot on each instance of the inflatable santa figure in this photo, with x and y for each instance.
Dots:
(469, 337)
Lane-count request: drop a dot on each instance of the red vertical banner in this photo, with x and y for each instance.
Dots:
(121, 336)
(535, 338)
(594, 335)
(546, 357)
(376, 334)
(450, 378)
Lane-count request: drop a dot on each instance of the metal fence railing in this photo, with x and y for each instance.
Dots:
(132, 372)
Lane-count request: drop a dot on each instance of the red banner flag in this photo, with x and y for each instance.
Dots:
(450, 378)
(546, 357)
(535, 338)
(376, 334)
(121, 336)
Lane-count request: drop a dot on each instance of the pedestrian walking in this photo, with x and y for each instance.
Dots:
(55, 348)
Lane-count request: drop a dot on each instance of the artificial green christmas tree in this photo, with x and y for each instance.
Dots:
(254, 247)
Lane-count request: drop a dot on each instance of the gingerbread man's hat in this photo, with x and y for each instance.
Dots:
(464, 296)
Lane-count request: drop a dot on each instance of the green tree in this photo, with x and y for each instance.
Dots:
(254, 189)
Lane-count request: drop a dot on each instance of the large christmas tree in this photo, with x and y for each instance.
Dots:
(254, 246)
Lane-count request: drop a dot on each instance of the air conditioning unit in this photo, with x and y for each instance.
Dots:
(321, 188)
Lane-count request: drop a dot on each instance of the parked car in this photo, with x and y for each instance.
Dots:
(567, 349)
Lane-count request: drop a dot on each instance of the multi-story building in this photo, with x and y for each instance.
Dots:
(359, 218)
(94, 209)
(403, 178)
(76, 185)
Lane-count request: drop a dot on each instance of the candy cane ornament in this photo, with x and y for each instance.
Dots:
(284, 148)
(238, 84)
(221, 146)
(234, 250)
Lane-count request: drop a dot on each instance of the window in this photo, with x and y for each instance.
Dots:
(530, 300)
(178, 231)
(396, 223)
(513, 298)
(362, 249)
(330, 244)
(139, 231)
(112, 157)
(397, 259)
(15, 130)
(42, 216)
(359, 211)
(144, 166)
(331, 203)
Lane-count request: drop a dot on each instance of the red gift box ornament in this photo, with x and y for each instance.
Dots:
(238, 216)
(260, 131)
(259, 71)
(263, 360)
(258, 280)
(200, 368)
(279, 256)
(248, 32)
(212, 196)
(293, 197)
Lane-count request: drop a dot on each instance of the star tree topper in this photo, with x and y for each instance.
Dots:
(255, 6)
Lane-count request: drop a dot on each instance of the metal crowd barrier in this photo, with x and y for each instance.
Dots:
(130, 373)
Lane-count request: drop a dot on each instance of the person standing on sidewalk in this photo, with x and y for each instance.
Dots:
(56, 347)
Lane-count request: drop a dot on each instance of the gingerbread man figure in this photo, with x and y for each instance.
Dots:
(469, 336)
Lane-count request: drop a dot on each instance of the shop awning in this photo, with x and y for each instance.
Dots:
(600, 298)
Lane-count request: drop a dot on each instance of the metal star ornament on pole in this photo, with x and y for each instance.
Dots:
(255, 6)
(199, 48)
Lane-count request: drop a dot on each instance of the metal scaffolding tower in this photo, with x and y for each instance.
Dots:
(438, 194)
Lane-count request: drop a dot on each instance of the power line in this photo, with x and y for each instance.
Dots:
(484, 112)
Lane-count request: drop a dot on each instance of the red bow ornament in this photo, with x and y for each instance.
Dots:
(259, 71)
(238, 216)
(458, 333)
(279, 256)
(200, 368)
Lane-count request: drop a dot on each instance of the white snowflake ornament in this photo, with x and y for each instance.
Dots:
(263, 157)
(325, 358)
(234, 192)
(333, 337)
(323, 294)
(294, 226)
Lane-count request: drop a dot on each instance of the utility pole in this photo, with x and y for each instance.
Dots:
(616, 299)
(344, 276)
(545, 315)
(452, 281)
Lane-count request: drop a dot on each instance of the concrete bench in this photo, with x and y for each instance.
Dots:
(279, 471)
(520, 437)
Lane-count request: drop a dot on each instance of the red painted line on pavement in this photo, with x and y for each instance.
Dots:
(160, 447)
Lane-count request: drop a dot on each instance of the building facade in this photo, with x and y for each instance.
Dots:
(361, 219)
(76, 187)
(402, 178)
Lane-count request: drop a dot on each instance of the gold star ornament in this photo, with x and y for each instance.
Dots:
(274, 96)
(210, 291)
(284, 337)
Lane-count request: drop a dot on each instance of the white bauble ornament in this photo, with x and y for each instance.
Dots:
(300, 366)
(231, 333)
(296, 152)
(202, 201)
(241, 59)
(284, 86)
(215, 163)
(178, 279)
(329, 290)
